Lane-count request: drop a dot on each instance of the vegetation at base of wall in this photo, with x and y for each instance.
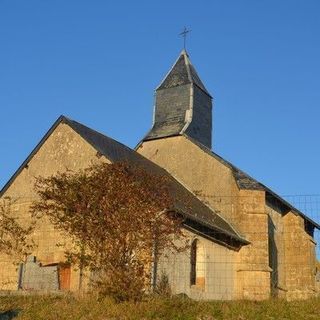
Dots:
(119, 219)
(70, 307)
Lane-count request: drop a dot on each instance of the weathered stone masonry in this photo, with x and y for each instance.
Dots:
(250, 243)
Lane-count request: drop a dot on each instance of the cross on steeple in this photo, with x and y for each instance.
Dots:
(184, 35)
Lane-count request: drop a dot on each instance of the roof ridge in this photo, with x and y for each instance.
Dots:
(60, 119)
(187, 63)
(194, 77)
(167, 74)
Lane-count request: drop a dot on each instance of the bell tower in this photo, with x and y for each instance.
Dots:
(183, 106)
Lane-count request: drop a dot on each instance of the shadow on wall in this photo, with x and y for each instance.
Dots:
(10, 314)
(273, 257)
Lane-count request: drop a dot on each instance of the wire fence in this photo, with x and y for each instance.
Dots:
(310, 205)
(268, 252)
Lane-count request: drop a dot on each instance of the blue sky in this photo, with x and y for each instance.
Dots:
(99, 62)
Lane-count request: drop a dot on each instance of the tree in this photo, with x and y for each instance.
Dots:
(119, 219)
(14, 238)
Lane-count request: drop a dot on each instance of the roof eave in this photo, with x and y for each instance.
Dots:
(291, 207)
(214, 228)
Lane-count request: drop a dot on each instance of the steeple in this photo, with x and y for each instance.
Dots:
(183, 105)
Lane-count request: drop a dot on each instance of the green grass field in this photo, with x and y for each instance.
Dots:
(70, 307)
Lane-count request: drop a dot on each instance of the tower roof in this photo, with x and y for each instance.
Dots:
(182, 72)
(182, 105)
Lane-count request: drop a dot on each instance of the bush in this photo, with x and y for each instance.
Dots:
(119, 220)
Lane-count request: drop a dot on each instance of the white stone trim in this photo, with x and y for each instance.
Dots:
(189, 112)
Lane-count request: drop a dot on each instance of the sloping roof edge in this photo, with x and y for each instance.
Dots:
(245, 181)
(78, 127)
(33, 152)
(191, 71)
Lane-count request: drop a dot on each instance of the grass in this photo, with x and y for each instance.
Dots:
(86, 308)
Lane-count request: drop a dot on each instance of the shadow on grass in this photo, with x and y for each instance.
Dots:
(10, 314)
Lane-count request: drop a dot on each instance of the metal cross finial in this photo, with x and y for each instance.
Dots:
(184, 35)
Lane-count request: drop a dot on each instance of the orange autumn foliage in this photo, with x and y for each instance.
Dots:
(117, 216)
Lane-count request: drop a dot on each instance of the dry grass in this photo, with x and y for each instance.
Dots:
(87, 308)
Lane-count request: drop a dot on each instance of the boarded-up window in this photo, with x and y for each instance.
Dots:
(35, 276)
(64, 277)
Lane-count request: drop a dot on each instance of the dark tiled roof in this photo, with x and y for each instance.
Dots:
(195, 78)
(246, 182)
(185, 202)
(196, 212)
(179, 110)
(182, 73)
(165, 129)
(177, 76)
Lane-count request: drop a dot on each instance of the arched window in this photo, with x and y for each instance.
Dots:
(197, 264)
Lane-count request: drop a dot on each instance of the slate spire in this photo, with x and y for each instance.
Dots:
(182, 73)
(183, 105)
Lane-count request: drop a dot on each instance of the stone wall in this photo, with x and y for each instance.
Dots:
(215, 266)
(214, 183)
(277, 251)
(64, 149)
(280, 259)
(299, 258)
(253, 260)
(203, 175)
(293, 258)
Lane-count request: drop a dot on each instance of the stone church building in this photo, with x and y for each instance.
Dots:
(246, 242)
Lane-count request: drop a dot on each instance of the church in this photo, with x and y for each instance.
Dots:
(246, 242)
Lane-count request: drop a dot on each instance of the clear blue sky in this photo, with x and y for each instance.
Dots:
(99, 62)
